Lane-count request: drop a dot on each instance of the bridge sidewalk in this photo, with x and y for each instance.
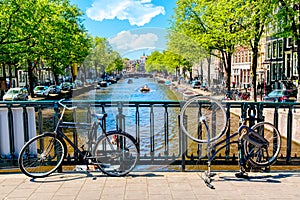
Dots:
(151, 185)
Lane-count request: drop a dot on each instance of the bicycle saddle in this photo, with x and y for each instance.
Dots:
(246, 133)
(99, 115)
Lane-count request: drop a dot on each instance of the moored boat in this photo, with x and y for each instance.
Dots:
(189, 94)
(145, 88)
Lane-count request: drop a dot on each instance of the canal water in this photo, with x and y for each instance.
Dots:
(125, 91)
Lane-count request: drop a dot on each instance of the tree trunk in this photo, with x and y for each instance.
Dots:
(31, 77)
(208, 70)
(254, 71)
(228, 71)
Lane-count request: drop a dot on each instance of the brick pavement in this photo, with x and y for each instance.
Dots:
(151, 185)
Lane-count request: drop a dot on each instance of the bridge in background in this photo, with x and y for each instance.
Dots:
(138, 75)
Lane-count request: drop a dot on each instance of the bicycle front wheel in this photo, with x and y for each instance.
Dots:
(266, 155)
(41, 155)
(203, 119)
(116, 153)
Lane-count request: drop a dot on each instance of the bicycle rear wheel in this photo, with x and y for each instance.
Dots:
(116, 153)
(202, 119)
(266, 155)
(41, 155)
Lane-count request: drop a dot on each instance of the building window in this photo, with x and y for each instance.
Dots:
(269, 51)
(274, 49)
(279, 71)
(250, 56)
(295, 61)
(242, 56)
(280, 48)
(273, 72)
(289, 43)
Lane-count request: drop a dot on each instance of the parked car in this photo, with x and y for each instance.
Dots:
(66, 86)
(16, 94)
(196, 84)
(288, 85)
(204, 86)
(54, 89)
(41, 91)
(281, 96)
(78, 83)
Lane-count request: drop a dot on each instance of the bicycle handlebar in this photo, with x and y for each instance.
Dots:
(65, 106)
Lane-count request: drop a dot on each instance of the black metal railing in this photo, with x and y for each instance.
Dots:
(155, 124)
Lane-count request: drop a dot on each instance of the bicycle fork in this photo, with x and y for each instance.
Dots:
(208, 175)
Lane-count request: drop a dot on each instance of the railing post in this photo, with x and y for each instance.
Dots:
(137, 123)
(11, 132)
(120, 118)
(275, 120)
(166, 131)
(289, 135)
(182, 142)
(227, 150)
(152, 133)
(25, 124)
(40, 120)
(260, 111)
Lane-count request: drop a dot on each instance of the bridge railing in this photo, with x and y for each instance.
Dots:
(155, 124)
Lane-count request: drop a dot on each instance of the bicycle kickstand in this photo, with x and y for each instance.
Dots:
(207, 175)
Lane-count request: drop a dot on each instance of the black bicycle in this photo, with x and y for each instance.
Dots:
(203, 119)
(115, 152)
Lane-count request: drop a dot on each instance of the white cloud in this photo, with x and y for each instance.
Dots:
(137, 12)
(126, 41)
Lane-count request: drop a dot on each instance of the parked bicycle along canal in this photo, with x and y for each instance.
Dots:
(126, 90)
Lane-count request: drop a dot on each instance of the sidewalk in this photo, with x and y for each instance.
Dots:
(151, 185)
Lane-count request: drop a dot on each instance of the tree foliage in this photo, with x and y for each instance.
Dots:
(222, 25)
(47, 31)
(212, 24)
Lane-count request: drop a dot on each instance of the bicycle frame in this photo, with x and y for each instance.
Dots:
(222, 147)
(71, 125)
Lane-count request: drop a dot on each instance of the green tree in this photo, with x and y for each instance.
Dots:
(154, 62)
(254, 15)
(212, 24)
(41, 30)
(188, 49)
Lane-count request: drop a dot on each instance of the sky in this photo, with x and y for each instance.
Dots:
(132, 27)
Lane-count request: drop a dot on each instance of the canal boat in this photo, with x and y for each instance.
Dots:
(168, 83)
(187, 94)
(103, 83)
(145, 88)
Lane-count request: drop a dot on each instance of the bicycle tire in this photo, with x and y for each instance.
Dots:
(215, 116)
(116, 153)
(261, 156)
(35, 162)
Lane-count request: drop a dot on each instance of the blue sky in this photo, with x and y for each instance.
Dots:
(132, 27)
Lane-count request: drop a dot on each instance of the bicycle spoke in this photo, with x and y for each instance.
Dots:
(116, 158)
